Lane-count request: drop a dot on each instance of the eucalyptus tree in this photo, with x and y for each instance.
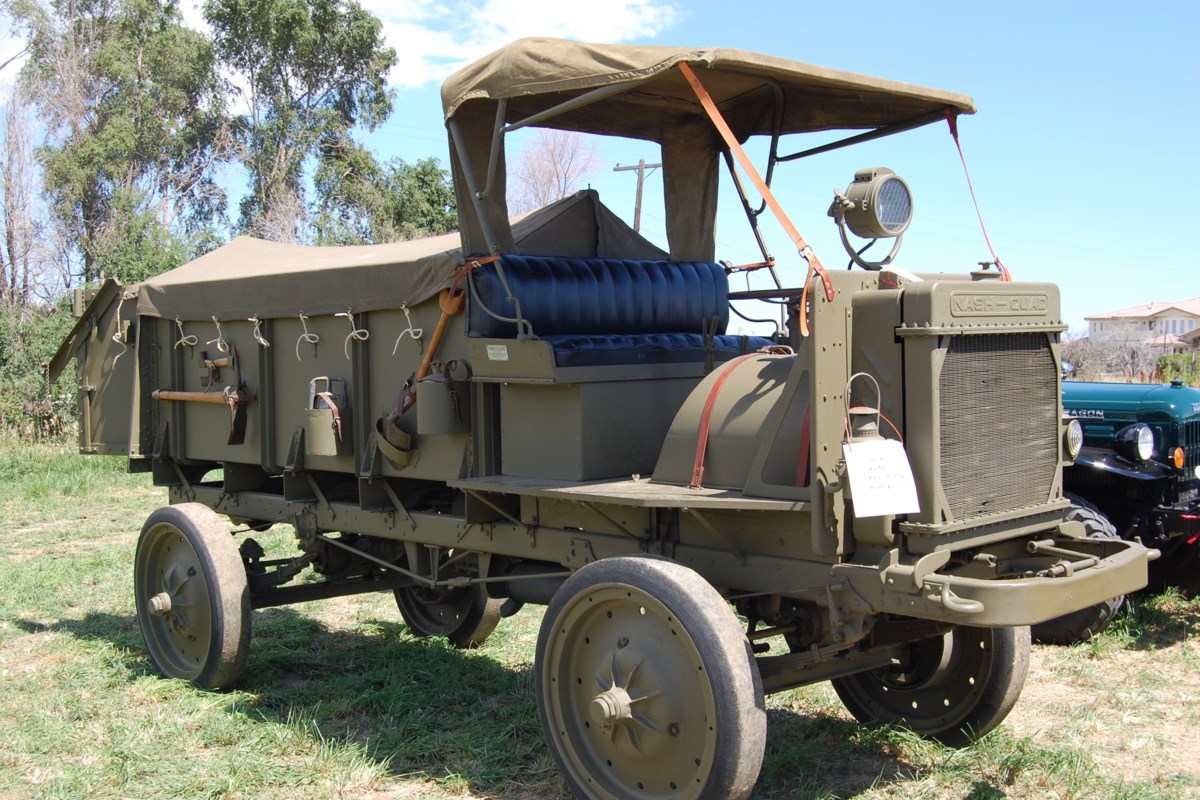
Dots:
(310, 72)
(133, 109)
(360, 201)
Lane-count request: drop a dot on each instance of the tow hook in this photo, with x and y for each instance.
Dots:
(952, 602)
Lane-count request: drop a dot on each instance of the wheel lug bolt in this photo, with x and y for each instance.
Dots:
(159, 605)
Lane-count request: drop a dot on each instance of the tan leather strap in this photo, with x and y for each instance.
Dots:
(337, 414)
(806, 251)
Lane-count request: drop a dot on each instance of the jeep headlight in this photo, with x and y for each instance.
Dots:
(1074, 438)
(1135, 442)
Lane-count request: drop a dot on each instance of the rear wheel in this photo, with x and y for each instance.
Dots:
(647, 686)
(1081, 625)
(190, 589)
(466, 616)
(953, 688)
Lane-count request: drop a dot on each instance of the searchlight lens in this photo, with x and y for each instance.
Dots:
(879, 204)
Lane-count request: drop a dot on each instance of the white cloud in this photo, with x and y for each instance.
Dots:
(433, 39)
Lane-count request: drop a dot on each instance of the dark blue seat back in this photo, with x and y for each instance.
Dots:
(609, 311)
(600, 296)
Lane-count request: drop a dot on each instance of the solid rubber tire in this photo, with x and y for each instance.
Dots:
(1081, 625)
(1004, 663)
(706, 629)
(224, 589)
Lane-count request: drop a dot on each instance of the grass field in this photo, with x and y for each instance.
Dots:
(340, 701)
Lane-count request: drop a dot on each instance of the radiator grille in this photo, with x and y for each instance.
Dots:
(1191, 444)
(999, 423)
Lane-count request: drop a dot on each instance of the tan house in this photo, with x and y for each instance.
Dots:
(1169, 327)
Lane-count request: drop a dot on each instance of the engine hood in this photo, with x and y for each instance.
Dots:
(1130, 402)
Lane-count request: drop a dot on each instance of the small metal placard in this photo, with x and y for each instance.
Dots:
(497, 352)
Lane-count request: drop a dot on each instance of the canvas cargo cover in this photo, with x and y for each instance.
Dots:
(537, 73)
(251, 277)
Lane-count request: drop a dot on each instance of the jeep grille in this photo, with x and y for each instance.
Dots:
(999, 423)
(1191, 445)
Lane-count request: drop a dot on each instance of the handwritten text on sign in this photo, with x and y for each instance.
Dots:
(880, 478)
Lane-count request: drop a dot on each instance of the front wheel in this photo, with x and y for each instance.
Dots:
(953, 688)
(193, 603)
(647, 686)
(1081, 625)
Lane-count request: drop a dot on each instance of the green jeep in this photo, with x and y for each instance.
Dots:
(1137, 476)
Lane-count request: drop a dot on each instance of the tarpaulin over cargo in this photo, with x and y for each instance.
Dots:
(638, 91)
(251, 277)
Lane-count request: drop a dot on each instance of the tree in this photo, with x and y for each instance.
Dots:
(362, 202)
(17, 261)
(552, 167)
(309, 72)
(133, 108)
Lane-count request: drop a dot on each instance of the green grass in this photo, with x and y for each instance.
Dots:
(340, 701)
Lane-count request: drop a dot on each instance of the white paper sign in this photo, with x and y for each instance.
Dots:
(497, 352)
(880, 478)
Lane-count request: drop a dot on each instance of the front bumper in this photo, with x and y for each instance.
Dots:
(1059, 574)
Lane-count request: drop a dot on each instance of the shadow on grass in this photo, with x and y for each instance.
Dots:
(465, 720)
(1150, 622)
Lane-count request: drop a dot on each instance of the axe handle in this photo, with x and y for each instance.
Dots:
(216, 398)
(451, 305)
(434, 341)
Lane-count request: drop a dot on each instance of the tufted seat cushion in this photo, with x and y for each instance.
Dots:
(598, 311)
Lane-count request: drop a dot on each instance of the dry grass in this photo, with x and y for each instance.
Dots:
(340, 701)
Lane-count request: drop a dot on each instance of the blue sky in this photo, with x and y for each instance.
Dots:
(1084, 151)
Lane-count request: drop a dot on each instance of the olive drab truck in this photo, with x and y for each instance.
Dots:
(554, 411)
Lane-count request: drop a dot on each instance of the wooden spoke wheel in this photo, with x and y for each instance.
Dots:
(647, 685)
(954, 688)
(465, 616)
(192, 599)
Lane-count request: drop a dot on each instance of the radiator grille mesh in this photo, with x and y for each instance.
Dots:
(1191, 444)
(999, 423)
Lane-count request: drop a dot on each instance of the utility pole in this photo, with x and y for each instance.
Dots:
(641, 168)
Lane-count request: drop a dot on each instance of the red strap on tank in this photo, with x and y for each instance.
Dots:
(706, 418)
(952, 120)
(805, 442)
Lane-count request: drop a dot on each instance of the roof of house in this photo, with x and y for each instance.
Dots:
(1164, 340)
(1190, 306)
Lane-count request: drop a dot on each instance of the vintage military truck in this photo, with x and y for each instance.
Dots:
(553, 412)
(1139, 469)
